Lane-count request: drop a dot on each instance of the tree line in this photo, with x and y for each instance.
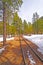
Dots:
(22, 27)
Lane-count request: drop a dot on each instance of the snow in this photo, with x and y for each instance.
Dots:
(31, 58)
(36, 39)
(1, 38)
(10, 38)
(2, 49)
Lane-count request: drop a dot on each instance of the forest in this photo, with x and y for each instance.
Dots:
(17, 26)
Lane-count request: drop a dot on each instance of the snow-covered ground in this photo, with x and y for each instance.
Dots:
(36, 39)
(1, 38)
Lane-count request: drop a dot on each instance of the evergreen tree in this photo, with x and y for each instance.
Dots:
(12, 5)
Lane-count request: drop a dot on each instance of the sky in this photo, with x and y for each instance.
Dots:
(29, 7)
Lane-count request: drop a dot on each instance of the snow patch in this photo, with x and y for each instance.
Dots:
(2, 49)
(40, 50)
(10, 38)
(36, 39)
(31, 58)
(1, 38)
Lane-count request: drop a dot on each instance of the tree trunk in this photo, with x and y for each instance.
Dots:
(4, 23)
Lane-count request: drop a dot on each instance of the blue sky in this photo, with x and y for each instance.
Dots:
(29, 7)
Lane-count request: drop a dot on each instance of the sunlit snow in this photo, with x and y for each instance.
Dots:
(1, 39)
(36, 39)
(31, 58)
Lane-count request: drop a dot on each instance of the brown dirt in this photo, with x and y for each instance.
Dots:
(12, 54)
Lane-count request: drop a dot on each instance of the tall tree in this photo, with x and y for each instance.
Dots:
(38, 25)
(13, 5)
(17, 23)
(35, 17)
(25, 27)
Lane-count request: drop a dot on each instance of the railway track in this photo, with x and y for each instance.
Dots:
(41, 59)
(30, 57)
(20, 54)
